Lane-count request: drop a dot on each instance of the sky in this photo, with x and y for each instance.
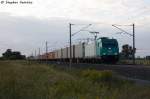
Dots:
(26, 27)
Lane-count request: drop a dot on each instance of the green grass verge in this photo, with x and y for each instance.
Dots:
(138, 62)
(23, 80)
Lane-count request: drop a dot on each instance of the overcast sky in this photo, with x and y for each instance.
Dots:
(26, 27)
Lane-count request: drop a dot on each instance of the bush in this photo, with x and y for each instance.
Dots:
(98, 76)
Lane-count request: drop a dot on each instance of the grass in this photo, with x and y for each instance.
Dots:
(23, 80)
(137, 61)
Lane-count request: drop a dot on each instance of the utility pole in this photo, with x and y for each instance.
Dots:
(95, 37)
(35, 54)
(32, 54)
(70, 64)
(46, 51)
(133, 35)
(70, 36)
(39, 53)
(133, 44)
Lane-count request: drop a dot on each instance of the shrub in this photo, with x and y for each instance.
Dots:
(98, 76)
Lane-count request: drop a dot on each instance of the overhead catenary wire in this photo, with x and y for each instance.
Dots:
(122, 25)
(123, 31)
(82, 29)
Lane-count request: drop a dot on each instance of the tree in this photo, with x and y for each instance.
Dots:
(127, 51)
(7, 54)
(13, 55)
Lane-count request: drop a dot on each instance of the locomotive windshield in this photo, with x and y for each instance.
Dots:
(110, 43)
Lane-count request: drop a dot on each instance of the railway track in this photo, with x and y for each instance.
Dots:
(130, 71)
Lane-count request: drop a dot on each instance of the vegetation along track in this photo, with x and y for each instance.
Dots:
(132, 71)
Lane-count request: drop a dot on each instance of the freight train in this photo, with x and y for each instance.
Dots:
(101, 50)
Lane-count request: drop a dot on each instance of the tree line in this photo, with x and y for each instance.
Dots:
(12, 55)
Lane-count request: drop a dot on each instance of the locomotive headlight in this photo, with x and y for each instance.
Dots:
(116, 53)
(104, 53)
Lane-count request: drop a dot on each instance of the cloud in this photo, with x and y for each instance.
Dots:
(107, 10)
(27, 33)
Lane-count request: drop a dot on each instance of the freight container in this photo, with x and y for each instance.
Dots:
(43, 56)
(73, 51)
(51, 55)
(65, 53)
(56, 54)
(90, 50)
(80, 50)
(59, 54)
